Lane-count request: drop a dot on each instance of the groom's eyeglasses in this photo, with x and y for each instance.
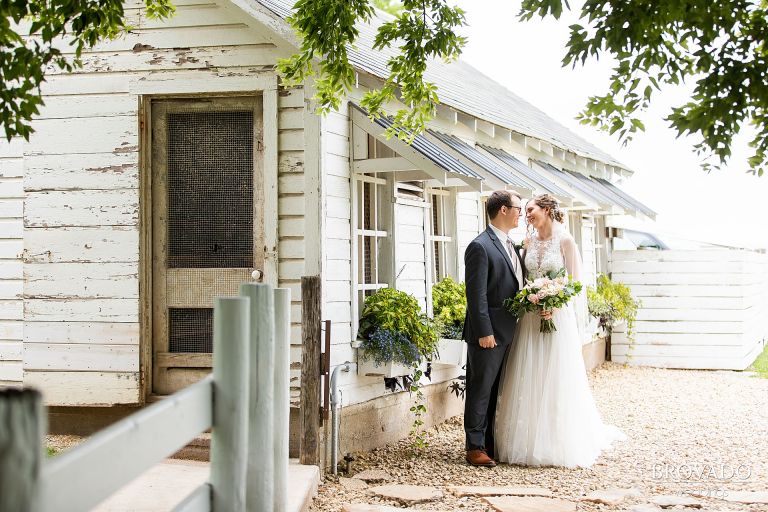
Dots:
(518, 208)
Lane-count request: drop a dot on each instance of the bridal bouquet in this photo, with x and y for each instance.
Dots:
(552, 291)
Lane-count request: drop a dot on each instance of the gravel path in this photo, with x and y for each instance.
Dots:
(678, 423)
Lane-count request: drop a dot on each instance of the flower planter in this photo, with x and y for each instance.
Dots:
(453, 352)
(390, 369)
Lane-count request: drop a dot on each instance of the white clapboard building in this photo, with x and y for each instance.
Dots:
(173, 164)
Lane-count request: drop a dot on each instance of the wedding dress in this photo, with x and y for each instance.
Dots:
(546, 415)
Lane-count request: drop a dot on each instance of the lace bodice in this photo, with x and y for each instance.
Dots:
(542, 256)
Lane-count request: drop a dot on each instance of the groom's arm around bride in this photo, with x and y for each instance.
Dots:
(491, 270)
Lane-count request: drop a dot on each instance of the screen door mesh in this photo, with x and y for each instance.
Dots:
(210, 189)
(191, 330)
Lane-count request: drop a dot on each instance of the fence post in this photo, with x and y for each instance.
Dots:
(261, 451)
(282, 394)
(21, 437)
(229, 438)
(311, 298)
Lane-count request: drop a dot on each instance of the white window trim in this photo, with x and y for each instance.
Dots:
(359, 181)
(447, 239)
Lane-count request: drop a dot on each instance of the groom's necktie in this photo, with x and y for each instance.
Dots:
(515, 262)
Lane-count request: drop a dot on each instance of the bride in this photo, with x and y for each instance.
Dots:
(546, 414)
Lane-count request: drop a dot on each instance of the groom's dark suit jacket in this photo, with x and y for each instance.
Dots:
(490, 280)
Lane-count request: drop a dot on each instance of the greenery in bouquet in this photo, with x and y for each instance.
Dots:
(449, 306)
(549, 292)
(393, 328)
(612, 302)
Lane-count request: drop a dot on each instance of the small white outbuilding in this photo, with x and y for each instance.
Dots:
(173, 164)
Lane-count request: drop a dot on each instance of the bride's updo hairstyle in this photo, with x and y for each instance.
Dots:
(547, 202)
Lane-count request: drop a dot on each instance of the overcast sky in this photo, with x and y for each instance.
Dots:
(728, 206)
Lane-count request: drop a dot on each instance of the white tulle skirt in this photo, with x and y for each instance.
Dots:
(546, 415)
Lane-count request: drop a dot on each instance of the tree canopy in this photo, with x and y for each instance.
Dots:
(31, 37)
(719, 46)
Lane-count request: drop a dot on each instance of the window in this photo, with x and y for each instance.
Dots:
(442, 214)
(371, 233)
(413, 190)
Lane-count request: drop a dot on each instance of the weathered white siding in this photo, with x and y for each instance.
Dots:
(701, 309)
(11, 272)
(81, 220)
(469, 223)
(410, 232)
(291, 208)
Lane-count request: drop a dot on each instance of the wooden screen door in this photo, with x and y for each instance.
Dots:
(207, 225)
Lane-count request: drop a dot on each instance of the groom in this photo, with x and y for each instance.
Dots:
(493, 272)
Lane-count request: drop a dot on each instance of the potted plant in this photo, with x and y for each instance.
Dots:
(449, 306)
(395, 334)
(612, 304)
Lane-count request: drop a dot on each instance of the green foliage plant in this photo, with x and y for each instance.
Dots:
(760, 366)
(422, 30)
(419, 409)
(612, 302)
(398, 315)
(449, 306)
(718, 47)
(393, 7)
(397, 311)
(31, 37)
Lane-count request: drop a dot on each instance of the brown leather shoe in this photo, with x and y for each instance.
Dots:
(480, 458)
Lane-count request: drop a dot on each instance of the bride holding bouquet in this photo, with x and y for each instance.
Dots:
(546, 415)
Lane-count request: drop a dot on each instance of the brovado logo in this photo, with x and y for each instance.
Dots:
(704, 472)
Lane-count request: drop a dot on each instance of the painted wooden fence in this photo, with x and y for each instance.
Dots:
(703, 309)
(249, 444)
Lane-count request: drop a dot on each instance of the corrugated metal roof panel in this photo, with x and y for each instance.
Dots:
(636, 205)
(596, 189)
(466, 89)
(430, 150)
(471, 153)
(519, 166)
(576, 183)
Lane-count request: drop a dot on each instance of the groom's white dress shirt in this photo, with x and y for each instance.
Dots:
(505, 241)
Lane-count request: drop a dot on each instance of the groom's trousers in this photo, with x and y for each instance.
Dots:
(483, 375)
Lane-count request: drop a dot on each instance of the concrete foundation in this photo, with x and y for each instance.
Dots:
(594, 353)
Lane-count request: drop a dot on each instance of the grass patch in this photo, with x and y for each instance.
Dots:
(760, 366)
(50, 451)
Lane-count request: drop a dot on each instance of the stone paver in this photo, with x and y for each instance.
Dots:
(672, 500)
(353, 484)
(530, 504)
(470, 490)
(373, 476)
(612, 496)
(748, 497)
(408, 494)
(365, 507)
(644, 507)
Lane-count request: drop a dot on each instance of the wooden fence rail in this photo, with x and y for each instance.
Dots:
(702, 309)
(230, 402)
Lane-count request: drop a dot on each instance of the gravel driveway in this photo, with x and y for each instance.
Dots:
(687, 430)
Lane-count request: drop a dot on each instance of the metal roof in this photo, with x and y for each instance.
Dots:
(429, 149)
(471, 153)
(519, 166)
(578, 184)
(635, 204)
(465, 89)
(596, 189)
